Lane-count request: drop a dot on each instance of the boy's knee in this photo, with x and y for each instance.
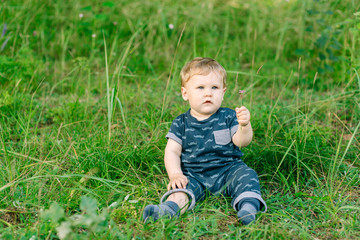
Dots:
(251, 172)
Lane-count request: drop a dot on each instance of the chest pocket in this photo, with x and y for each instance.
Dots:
(222, 137)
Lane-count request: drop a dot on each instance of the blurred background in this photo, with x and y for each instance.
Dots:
(88, 90)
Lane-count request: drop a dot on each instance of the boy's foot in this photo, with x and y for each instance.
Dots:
(247, 213)
(168, 208)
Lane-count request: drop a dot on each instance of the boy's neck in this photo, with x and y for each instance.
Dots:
(200, 117)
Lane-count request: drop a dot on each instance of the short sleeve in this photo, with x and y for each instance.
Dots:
(176, 130)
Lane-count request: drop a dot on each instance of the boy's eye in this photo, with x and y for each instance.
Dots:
(214, 87)
(200, 87)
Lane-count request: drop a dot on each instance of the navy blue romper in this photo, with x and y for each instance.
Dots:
(210, 160)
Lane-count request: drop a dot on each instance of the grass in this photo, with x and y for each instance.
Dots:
(85, 103)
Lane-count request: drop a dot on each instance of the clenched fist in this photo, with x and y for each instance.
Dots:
(243, 116)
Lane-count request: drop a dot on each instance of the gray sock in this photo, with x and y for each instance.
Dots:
(247, 213)
(169, 209)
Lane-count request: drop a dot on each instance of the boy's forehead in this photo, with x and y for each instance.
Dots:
(202, 77)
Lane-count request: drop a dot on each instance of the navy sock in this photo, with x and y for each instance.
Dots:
(253, 201)
(247, 210)
(168, 208)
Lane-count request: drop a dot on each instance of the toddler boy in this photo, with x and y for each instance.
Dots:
(202, 153)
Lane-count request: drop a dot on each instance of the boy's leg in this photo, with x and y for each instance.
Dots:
(243, 186)
(177, 203)
(181, 199)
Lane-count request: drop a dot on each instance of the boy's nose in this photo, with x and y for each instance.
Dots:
(208, 92)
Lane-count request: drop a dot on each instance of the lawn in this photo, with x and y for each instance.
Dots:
(88, 91)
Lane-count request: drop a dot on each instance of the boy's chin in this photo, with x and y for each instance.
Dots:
(208, 113)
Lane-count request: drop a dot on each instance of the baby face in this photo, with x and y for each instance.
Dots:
(204, 93)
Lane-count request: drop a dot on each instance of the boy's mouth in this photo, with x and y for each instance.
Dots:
(207, 102)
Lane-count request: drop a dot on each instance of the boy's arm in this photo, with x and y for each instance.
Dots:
(244, 134)
(173, 165)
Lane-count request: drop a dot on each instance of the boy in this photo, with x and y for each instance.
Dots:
(202, 151)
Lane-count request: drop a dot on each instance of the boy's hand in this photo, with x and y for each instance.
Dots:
(243, 116)
(178, 180)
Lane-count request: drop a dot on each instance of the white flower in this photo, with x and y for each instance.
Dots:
(81, 15)
(93, 35)
(171, 26)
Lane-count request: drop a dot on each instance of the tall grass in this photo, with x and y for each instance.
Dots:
(89, 90)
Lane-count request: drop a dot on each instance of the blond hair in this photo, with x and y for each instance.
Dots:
(201, 66)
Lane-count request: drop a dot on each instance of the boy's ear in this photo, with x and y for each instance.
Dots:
(224, 92)
(184, 93)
